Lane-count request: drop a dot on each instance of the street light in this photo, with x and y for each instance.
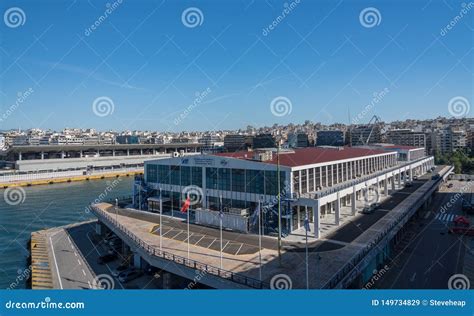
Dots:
(116, 210)
(279, 199)
(161, 226)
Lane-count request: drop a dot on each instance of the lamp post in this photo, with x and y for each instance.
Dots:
(161, 226)
(260, 238)
(279, 200)
(116, 210)
(221, 214)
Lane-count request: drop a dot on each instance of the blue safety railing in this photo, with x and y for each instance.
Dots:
(190, 263)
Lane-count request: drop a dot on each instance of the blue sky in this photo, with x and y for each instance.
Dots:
(151, 65)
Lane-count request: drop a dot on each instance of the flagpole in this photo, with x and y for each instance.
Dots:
(220, 221)
(306, 229)
(161, 226)
(260, 238)
(189, 210)
(279, 203)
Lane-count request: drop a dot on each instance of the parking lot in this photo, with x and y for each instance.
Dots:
(94, 247)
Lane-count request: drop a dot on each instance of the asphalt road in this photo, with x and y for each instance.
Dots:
(356, 227)
(68, 265)
(428, 256)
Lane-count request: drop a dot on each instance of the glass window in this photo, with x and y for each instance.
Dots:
(255, 181)
(311, 180)
(238, 180)
(164, 174)
(271, 182)
(212, 178)
(296, 181)
(304, 181)
(318, 177)
(152, 173)
(224, 179)
(324, 175)
(197, 176)
(175, 175)
(185, 176)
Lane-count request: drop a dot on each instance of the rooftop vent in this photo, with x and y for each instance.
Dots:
(266, 155)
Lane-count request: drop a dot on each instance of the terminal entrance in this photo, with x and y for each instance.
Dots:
(298, 216)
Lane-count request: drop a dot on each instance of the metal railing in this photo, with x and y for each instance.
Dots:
(190, 263)
(43, 175)
(358, 257)
(351, 183)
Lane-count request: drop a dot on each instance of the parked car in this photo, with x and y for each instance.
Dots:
(106, 258)
(450, 185)
(129, 275)
(368, 210)
(115, 243)
(121, 268)
(415, 177)
(151, 270)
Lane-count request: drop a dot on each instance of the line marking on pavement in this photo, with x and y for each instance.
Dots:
(212, 242)
(56, 263)
(79, 261)
(83, 272)
(187, 238)
(200, 239)
(225, 246)
(413, 277)
(241, 245)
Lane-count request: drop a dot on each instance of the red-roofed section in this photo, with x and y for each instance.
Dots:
(310, 155)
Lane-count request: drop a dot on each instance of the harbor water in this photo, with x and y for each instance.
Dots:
(28, 209)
